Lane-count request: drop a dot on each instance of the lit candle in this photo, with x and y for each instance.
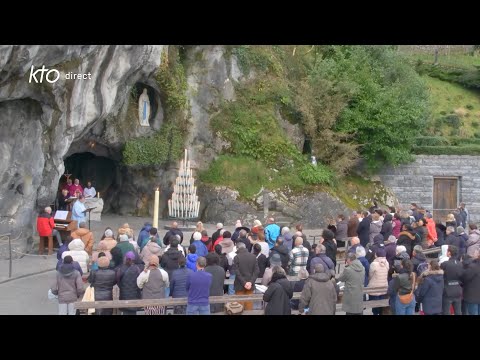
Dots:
(169, 207)
(155, 208)
(98, 194)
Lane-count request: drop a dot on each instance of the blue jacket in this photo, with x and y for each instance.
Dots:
(366, 265)
(201, 248)
(272, 232)
(198, 287)
(192, 262)
(430, 292)
(178, 283)
(144, 234)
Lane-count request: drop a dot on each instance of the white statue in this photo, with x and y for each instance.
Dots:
(144, 108)
(314, 161)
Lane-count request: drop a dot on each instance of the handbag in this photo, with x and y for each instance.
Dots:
(407, 298)
(89, 296)
(233, 308)
(51, 295)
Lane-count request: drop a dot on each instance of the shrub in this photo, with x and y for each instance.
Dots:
(432, 141)
(469, 106)
(475, 124)
(316, 175)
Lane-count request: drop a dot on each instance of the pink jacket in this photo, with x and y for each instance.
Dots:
(378, 274)
(397, 228)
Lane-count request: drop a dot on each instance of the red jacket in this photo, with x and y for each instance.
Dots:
(45, 224)
(432, 232)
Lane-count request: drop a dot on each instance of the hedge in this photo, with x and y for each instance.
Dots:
(470, 149)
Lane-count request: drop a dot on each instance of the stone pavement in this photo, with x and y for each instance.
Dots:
(27, 265)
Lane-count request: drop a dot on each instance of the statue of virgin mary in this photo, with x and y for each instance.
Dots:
(144, 108)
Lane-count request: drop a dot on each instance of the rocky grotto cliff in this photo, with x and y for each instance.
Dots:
(43, 124)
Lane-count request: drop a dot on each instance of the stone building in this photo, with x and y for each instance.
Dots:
(438, 183)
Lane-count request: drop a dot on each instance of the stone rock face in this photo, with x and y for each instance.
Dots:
(40, 121)
(97, 204)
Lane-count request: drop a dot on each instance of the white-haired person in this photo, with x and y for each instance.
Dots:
(287, 237)
(360, 253)
(216, 234)
(46, 231)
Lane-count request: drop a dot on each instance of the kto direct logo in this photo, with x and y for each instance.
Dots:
(51, 76)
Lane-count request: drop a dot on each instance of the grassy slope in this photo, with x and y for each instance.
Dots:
(448, 98)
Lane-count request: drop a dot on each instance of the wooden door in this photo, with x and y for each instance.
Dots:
(445, 197)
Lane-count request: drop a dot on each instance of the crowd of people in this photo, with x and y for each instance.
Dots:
(386, 254)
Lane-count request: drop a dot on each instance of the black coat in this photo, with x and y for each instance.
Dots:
(331, 250)
(102, 281)
(127, 282)
(262, 264)
(430, 291)
(215, 235)
(387, 229)
(417, 260)
(452, 276)
(281, 250)
(278, 296)
(363, 231)
(409, 240)
(246, 269)
(170, 261)
(218, 279)
(247, 243)
(471, 282)
(172, 232)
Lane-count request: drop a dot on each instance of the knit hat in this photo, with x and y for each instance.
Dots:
(381, 252)
(103, 262)
(153, 260)
(108, 233)
(460, 229)
(197, 235)
(123, 237)
(130, 255)
(275, 260)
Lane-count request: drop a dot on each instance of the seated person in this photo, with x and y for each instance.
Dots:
(89, 191)
(62, 198)
(76, 189)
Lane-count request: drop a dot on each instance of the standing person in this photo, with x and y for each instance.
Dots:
(153, 282)
(242, 237)
(267, 275)
(387, 227)
(218, 278)
(453, 239)
(353, 276)
(261, 241)
(222, 258)
(404, 285)
(127, 230)
(257, 224)
(198, 287)
(375, 227)
(451, 221)
(363, 229)
(396, 225)
(108, 242)
(46, 231)
(201, 249)
(452, 275)
(287, 238)
(298, 287)
(321, 258)
(246, 271)
(352, 225)
(330, 245)
(298, 257)
(79, 210)
(281, 250)
(127, 276)
(103, 280)
(372, 248)
(378, 277)
(174, 230)
(124, 245)
(430, 289)
(463, 238)
(262, 260)
(151, 248)
(391, 249)
(152, 235)
(360, 254)
(419, 260)
(216, 234)
(236, 233)
(170, 258)
(68, 186)
(85, 235)
(207, 241)
(471, 285)
(473, 242)
(77, 252)
(198, 228)
(421, 231)
(355, 243)
(464, 215)
(278, 294)
(272, 232)
(342, 230)
(192, 258)
(68, 287)
(144, 234)
(408, 239)
(431, 229)
(178, 285)
(319, 294)
(89, 191)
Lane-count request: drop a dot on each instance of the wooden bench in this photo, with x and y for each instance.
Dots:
(116, 304)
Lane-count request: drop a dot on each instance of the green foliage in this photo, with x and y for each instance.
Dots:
(467, 77)
(475, 124)
(387, 100)
(469, 149)
(432, 141)
(247, 176)
(167, 144)
(315, 175)
(452, 120)
(172, 81)
(469, 106)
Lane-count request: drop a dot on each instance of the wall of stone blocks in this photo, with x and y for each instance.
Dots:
(414, 182)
